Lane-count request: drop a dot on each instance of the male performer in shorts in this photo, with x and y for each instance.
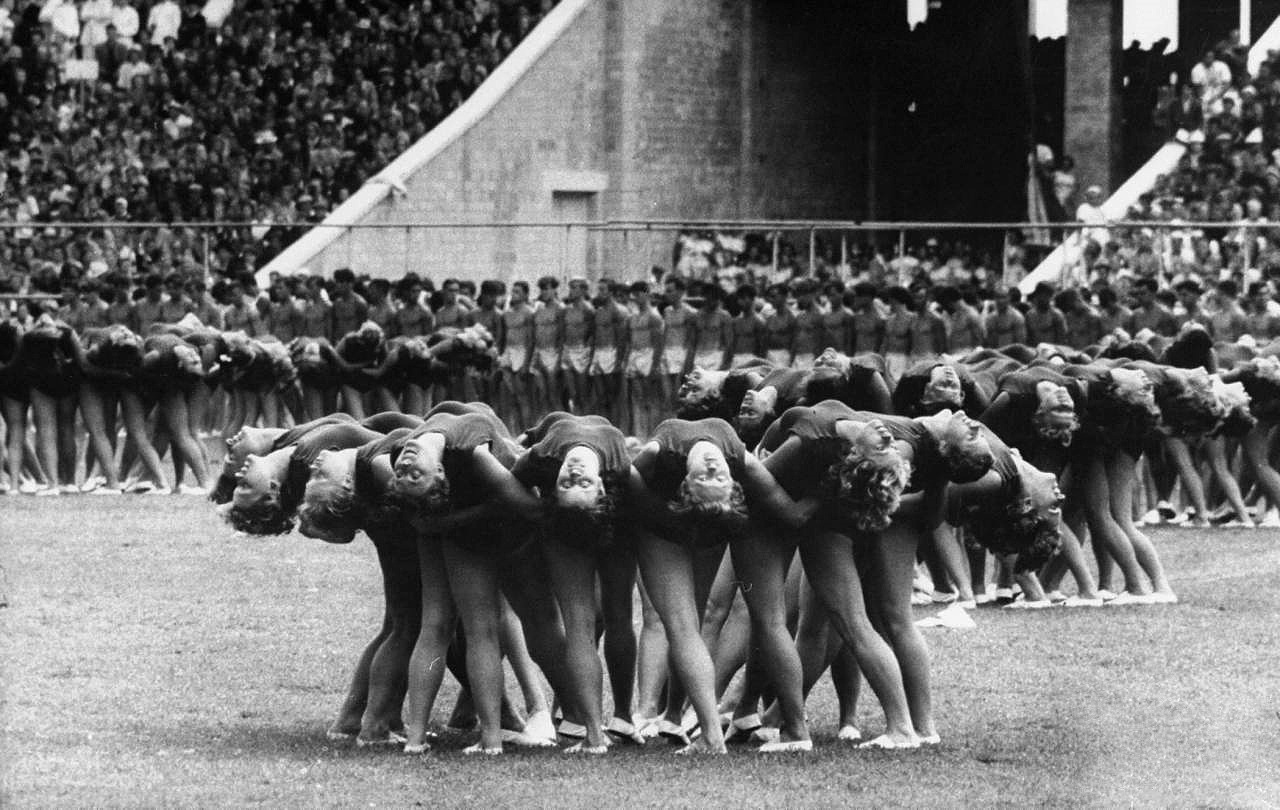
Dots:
(868, 325)
(677, 339)
(548, 337)
(608, 345)
(575, 355)
(712, 331)
(780, 329)
(643, 380)
(806, 346)
(748, 327)
(516, 346)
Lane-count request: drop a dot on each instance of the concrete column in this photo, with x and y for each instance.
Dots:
(1091, 131)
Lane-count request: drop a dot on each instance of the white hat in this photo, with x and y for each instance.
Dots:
(1182, 136)
(1196, 137)
(1255, 136)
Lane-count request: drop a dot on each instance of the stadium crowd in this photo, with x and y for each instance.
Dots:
(266, 113)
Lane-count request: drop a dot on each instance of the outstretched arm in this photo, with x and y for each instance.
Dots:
(504, 487)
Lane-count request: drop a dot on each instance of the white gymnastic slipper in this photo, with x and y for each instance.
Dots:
(1080, 601)
(623, 731)
(572, 730)
(417, 748)
(886, 743)
(472, 750)
(930, 739)
(786, 747)
(521, 739)
(539, 725)
(1163, 598)
(391, 739)
(588, 750)
(339, 736)
(672, 733)
(1126, 599)
(849, 734)
(766, 734)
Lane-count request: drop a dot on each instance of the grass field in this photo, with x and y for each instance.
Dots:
(150, 658)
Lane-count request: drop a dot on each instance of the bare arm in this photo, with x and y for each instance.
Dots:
(505, 488)
(764, 490)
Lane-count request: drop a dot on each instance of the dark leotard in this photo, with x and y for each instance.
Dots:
(675, 438)
(48, 361)
(541, 465)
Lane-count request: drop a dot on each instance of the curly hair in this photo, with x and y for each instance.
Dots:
(1018, 530)
(711, 522)
(1058, 433)
(585, 529)
(1237, 422)
(264, 518)
(436, 501)
(1187, 410)
(1115, 419)
(867, 490)
(334, 518)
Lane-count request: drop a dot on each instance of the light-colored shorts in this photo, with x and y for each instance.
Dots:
(778, 358)
(673, 360)
(576, 358)
(741, 359)
(514, 358)
(547, 360)
(709, 359)
(804, 362)
(640, 362)
(895, 365)
(604, 361)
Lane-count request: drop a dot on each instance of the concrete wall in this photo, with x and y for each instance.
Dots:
(664, 109)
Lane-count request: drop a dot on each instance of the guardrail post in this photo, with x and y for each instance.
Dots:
(208, 273)
(405, 266)
(813, 250)
(774, 237)
(902, 241)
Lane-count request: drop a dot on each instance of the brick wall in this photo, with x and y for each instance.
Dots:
(679, 110)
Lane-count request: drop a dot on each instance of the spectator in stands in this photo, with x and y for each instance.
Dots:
(1211, 77)
(1045, 323)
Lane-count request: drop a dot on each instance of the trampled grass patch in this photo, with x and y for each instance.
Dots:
(151, 658)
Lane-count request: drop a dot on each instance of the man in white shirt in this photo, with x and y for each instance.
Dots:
(1090, 212)
(163, 21)
(132, 69)
(63, 17)
(94, 17)
(1213, 77)
(125, 18)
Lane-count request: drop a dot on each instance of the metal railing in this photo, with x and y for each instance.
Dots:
(624, 247)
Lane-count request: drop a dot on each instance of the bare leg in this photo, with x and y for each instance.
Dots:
(473, 581)
(829, 563)
(651, 660)
(573, 579)
(1120, 472)
(669, 573)
(427, 662)
(761, 558)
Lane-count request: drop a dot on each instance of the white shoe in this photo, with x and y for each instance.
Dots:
(1238, 524)
(622, 731)
(472, 750)
(919, 598)
(574, 731)
(105, 491)
(766, 734)
(1163, 598)
(47, 492)
(1271, 520)
(1106, 595)
(953, 617)
(92, 484)
(29, 488)
(786, 747)
(69, 489)
(942, 597)
(1079, 601)
(1056, 596)
(1127, 598)
(849, 734)
(188, 489)
(539, 725)
(1152, 518)
(521, 739)
(884, 743)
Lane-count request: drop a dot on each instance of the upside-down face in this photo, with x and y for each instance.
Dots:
(943, 387)
(707, 474)
(579, 484)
